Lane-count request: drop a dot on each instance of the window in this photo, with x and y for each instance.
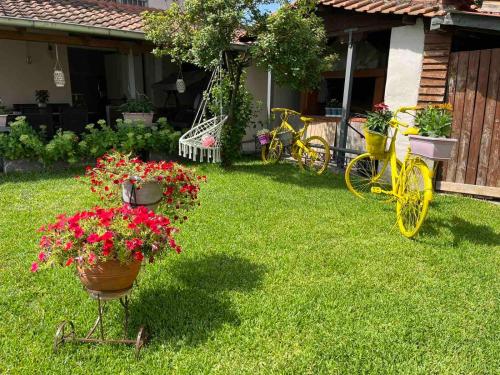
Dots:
(142, 3)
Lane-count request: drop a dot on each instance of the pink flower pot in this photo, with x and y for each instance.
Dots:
(264, 139)
(432, 148)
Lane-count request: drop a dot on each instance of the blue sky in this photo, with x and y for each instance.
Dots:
(270, 7)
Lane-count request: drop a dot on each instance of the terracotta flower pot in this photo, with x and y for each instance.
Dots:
(146, 118)
(432, 148)
(110, 276)
(149, 195)
(375, 143)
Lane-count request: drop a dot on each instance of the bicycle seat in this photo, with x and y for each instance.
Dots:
(305, 119)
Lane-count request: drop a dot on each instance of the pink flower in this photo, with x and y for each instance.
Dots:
(34, 267)
(380, 107)
(42, 256)
(92, 258)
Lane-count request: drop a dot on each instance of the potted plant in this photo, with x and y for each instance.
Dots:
(22, 148)
(264, 136)
(118, 177)
(107, 245)
(376, 128)
(3, 114)
(333, 108)
(434, 127)
(42, 98)
(138, 110)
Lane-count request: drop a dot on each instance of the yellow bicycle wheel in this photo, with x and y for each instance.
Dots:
(414, 196)
(271, 153)
(365, 172)
(315, 155)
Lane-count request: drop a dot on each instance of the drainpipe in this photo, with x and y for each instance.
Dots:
(131, 75)
(269, 93)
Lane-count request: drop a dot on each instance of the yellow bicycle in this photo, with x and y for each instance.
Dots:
(409, 183)
(312, 153)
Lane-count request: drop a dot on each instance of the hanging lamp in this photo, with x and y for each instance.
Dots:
(180, 84)
(59, 79)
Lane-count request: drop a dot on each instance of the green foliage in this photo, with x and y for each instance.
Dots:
(97, 140)
(434, 121)
(232, 134)
(131, 137)
(294, 47)
(42, 96)
(378, 121)
(140, 105)
(63, 147)
(163, 138)
(22, 142)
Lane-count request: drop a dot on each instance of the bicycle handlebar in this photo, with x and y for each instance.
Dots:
(286, 110)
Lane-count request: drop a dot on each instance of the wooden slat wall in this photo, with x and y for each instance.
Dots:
(474, 91)
(435, 66)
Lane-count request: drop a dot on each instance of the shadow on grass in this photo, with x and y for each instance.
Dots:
(187, 314)
(462, 230)
(289, 173)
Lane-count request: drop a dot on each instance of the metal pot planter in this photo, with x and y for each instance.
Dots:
(145, 118)
(375, 143)
(149, 195)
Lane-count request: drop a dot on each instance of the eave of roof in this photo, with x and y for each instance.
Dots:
(405, 7)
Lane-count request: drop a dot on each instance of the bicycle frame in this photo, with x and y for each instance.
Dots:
(391, 158)
(285, 126)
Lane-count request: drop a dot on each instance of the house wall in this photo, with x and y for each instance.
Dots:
(19, 80)
(162, 4)
(404, 71)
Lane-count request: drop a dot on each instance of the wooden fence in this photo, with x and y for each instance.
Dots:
(474, 91)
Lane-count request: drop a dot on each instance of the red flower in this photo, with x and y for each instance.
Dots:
(69, 262)
(68, 246)
(139, 256)
(106, 236)
(42, 256)
(34, 267)
(92, 258)
(45, 242)
(133, 244)
(107, 247)
(380, 107)
(93, 238)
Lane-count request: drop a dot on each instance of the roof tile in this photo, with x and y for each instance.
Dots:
(410, 7)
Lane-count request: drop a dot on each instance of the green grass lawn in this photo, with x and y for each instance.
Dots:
(282, 272)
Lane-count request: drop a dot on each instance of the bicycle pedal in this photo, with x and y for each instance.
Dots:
(376, 190)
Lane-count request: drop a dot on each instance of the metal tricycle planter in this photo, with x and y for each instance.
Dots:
(66, 333)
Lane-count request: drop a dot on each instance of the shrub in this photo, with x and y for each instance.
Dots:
(22, 142)
(140, 105)
(163, 138)
(131, 137)
(63, 147)
(434, 121)
(97, 140)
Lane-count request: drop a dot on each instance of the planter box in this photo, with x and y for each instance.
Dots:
(333, 112)
(10, 166)
(375, 143)
(432, 148)
(145, 118)
(3, 120)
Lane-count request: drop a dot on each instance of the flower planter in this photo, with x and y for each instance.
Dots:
(264, 139)
(3, 120)
(145, 118)
(22, 165)
(333, 112)
(149, 195)
(110, 276)
(432, 148)
(375, 143)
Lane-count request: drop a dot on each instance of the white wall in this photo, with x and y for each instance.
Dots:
(162, 4)
(404, 71)
(19, 80)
